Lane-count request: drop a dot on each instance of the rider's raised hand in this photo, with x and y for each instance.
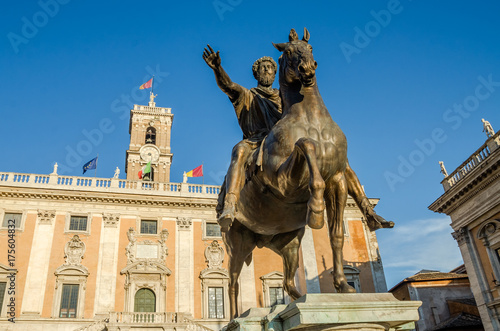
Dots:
(211, 58)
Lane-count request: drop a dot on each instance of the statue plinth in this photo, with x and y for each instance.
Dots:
(338, 311)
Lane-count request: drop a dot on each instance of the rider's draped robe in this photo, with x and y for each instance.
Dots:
(257, 110)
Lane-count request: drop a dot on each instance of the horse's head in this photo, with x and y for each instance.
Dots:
(297, 61)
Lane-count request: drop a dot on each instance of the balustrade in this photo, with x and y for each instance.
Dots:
(106, 184)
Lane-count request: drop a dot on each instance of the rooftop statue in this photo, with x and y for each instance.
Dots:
(290, 166)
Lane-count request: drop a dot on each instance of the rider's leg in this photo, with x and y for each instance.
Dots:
(235, 179)
(356, 191)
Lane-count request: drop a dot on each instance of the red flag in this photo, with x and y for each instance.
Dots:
(196, 172)
(147, 84)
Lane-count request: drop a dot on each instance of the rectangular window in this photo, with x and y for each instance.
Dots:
(148, 227)
(212, 230)
(2, 294)
(78, 223)
(16, 217)
(215, 302)
(276, 296)
(69, 301)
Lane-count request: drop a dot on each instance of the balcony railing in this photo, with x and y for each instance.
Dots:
(146, 318)
(168, 320)
(107, 185)
(473, 161)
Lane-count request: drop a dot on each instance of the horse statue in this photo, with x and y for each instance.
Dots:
(302, 166)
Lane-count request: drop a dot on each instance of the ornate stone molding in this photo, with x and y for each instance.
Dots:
(461, 236)
(146, 251)
(129, 251)
(46, 216)
(74, 251)
(184, 223)
(111, 220)
(210, 203)
(214, 255)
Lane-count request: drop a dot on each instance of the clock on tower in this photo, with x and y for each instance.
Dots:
(150, 129)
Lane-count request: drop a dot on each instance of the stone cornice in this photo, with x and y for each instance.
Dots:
(469, 187)
(111, 198)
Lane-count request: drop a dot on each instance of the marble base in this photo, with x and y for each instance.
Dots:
(356, 311)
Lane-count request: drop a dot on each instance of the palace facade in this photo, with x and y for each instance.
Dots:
(119, 254)
(472, 200)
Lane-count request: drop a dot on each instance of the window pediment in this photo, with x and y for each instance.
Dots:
(71, 270)
(141, 267)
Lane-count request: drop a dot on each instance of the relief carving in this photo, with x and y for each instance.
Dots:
(184, 223)
(74, 251)
(461, 236)
(130, 249)
(46, 216)
(146, 250)
(111, 220)
(214, 255)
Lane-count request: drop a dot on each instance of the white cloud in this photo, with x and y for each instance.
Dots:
(417, 245)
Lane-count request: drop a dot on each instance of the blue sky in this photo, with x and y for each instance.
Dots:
(407, 81)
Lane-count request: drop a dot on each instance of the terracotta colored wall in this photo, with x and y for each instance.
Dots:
(90, 261)
(265, 261)
(23, 251)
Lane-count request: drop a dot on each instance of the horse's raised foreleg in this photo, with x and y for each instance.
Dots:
(292, 172)
(336, 198)
(240, 243)
(287, 245)
(356, 191)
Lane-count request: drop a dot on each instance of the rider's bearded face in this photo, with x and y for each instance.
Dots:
(266, 74)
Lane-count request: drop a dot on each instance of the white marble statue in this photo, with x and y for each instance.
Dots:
(488, 128)
(55, 169)
(443, 169)
(117, 172)
(152, 97)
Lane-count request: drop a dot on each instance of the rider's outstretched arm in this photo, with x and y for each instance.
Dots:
(225, 83)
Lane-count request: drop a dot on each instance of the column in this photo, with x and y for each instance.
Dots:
(38, 265)
(184, 266)
(477, 278)
(107, 265)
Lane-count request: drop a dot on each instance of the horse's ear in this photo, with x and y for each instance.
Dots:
(306, 35)
(293, 35)
(280, 47)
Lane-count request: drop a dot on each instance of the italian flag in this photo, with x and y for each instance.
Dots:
(196, 172)
(145, 170)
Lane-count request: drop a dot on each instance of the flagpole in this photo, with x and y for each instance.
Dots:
(203, 176)
(95, 170)
(153, 85)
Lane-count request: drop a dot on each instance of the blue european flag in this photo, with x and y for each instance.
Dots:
(92, 164)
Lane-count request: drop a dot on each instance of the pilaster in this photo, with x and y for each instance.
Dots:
(38, 265)
(310, 264)
(107, 265)
(184, 266)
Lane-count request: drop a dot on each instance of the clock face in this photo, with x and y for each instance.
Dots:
(150, 153)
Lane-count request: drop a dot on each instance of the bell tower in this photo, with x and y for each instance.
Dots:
(150, 128)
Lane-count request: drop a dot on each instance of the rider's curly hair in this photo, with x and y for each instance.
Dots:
(255, 66)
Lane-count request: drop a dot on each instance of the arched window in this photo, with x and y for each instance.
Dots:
(145, 301)
(151, 135)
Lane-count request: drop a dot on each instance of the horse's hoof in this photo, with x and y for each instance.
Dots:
(315, 220)
(345, 288)
(376, 222)
(226, 220)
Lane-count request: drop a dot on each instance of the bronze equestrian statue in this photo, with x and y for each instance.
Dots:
(300, 165)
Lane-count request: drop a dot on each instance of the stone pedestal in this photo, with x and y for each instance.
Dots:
(357, 311)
